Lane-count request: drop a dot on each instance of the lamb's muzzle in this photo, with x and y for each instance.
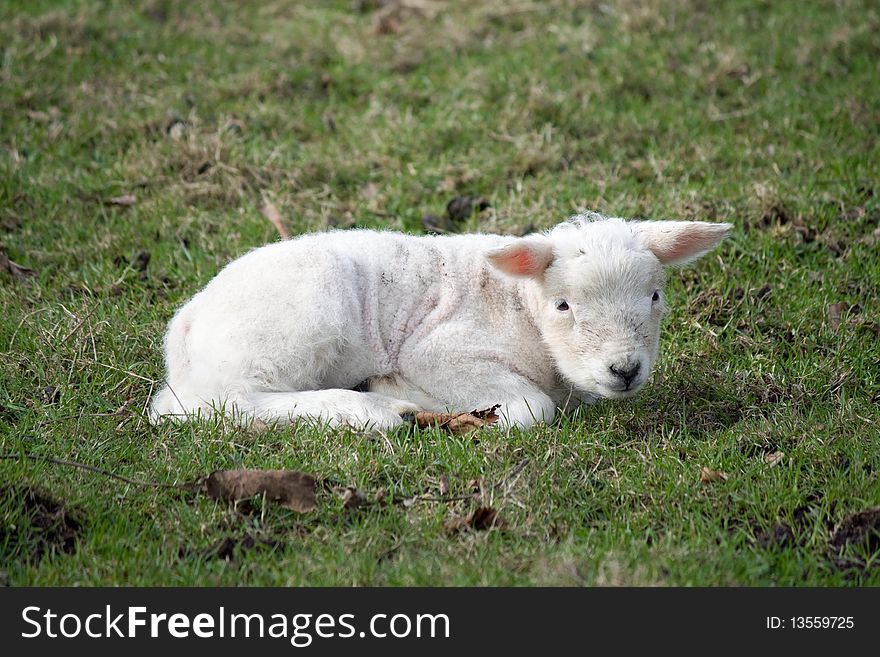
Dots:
(436, 323)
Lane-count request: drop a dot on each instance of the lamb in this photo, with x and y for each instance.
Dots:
(362, 327)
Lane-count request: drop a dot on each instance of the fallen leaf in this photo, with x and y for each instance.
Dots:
(708, 476)
(862, 528)
(835, 310)
(458, 423)
(290, 488)
(444, 485)
(481, 518)
(18, 272)
(773, 458)
(271, 213)
(125, 201)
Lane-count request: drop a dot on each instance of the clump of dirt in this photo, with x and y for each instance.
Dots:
(45, 525)
(706, 405)
(227, 548)
(774, 215)
(862, 528)
(480, 519)
(779, 534)
(231, 547)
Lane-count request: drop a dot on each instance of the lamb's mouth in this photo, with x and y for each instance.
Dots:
(621, 393)
(596, 390)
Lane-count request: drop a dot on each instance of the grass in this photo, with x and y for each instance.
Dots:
(763, 114)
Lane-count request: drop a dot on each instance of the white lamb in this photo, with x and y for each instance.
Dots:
(360, 327)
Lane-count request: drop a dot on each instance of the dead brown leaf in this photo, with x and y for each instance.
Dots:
(708, 476)
(271, 213)
(773, 458)
(481, 518)
(835, 311)
(18, 272)
(458, 423)
(290, 488)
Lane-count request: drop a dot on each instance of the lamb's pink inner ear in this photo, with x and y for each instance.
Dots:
(526, 257)
(680, 242)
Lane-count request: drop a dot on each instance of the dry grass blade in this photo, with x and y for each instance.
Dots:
(708, 476)
(125, 201)
(271, 213)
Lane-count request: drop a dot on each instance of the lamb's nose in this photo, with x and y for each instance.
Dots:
(626, 374)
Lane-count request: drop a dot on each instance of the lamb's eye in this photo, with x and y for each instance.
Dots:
(562, 305)
(656, 297)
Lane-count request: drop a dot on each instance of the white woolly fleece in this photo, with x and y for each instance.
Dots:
(427, 323)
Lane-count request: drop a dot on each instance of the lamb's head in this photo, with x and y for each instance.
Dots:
(599, 286)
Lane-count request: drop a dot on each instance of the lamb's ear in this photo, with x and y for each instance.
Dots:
(526, 256)
(681, 242)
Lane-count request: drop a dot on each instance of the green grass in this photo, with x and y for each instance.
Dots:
(764, 114)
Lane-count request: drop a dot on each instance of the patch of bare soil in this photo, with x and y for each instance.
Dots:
(862, 528)
(48, 525)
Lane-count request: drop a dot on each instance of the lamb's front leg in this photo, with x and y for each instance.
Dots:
(522, 409)
(483, 385)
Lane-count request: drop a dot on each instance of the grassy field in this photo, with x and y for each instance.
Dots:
(139, 140)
